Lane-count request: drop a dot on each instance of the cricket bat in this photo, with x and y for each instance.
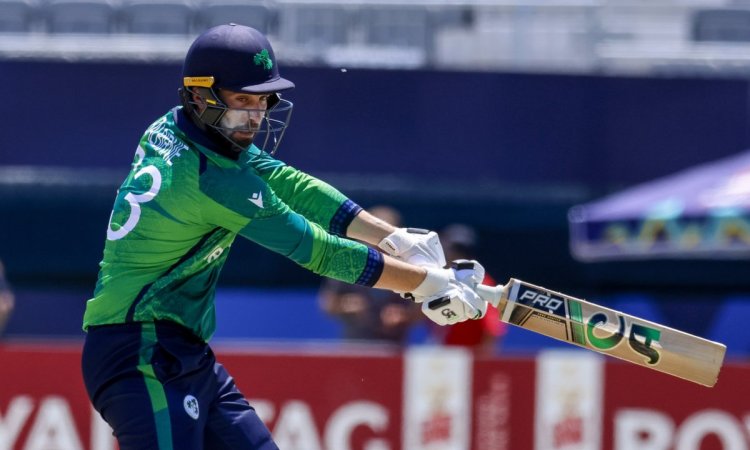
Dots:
(607, 331)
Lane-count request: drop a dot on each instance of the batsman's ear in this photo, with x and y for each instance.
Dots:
(197, 98)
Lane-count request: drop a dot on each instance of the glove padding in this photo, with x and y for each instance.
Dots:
(448, 296)
(414, 246)
(457, 304)
(468, 271)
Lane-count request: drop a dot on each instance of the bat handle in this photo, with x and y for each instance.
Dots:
(491, 294)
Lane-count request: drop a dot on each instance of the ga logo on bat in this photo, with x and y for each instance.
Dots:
(640, 338)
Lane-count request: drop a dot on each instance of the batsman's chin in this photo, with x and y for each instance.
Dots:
(244, 138)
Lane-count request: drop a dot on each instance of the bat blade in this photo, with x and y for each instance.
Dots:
(607, 331)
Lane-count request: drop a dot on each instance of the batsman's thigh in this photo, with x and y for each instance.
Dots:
(232, 422)
(147, 415)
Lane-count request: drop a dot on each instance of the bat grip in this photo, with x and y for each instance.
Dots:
(491, 294)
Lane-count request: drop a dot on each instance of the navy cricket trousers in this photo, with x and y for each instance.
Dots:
(159, 387)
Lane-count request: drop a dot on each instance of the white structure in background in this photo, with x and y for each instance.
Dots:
(437, 398)
(569, 401)
(561, 36)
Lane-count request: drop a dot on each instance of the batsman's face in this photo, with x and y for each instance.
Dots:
(244, 116)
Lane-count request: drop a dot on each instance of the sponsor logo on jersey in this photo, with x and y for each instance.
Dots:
(190, 404)
(257, 199)
(164, 141)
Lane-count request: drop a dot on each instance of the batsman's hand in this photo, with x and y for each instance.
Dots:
(415, 246)
(468, 271)
(457, 304)
(446, 300)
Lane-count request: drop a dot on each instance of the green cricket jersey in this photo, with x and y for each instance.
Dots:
(181, 207)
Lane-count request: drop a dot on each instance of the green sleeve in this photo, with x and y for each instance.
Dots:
(309, 245)
(247, 205)
(315, 199)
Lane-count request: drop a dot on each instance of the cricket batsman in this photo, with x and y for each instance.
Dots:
(203, 174)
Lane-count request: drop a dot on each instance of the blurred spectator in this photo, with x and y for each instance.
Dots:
(7, 300)
(483, 336)
(367, 313)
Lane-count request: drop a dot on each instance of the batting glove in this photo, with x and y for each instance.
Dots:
(468, 271)
(446, 300)
(415, 246)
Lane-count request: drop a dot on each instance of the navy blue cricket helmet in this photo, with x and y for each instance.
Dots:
(235, 58)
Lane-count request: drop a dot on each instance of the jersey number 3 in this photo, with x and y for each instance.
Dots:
(135, 200)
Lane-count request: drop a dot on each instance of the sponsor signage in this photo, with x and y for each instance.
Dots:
(423, 399)
(568, 401)
(647, 410)
(437, 407)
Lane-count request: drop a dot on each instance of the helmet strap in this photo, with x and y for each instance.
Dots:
(208, 119)
(213, 109)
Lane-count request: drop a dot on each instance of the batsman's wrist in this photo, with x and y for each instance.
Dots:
(436, 280)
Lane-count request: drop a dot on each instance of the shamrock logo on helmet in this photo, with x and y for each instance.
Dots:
(263, 59)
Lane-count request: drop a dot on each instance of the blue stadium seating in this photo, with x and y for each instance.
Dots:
(260, 15)
(16, 16)
(721, 25)
(315, 25)
(400, 26)
(157, 17)
(80, 16)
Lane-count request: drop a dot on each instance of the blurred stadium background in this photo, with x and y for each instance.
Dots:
(502, 115)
